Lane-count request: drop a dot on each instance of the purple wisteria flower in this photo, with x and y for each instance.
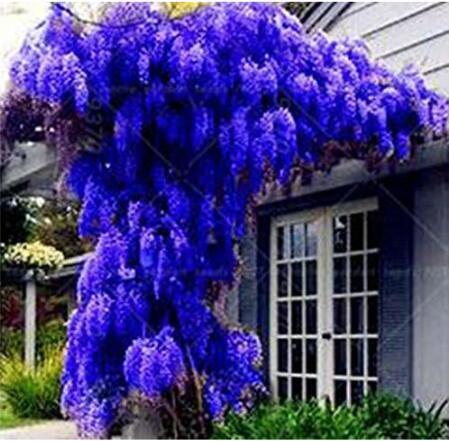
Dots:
(177, 124)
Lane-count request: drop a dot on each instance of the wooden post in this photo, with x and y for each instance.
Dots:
(30, 320)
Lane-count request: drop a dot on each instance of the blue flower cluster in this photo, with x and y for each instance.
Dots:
(155, 365)
(184, 120)
(225, 387)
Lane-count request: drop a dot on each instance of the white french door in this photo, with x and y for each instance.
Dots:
(323, 303)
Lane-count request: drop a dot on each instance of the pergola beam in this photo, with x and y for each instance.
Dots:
(352, 172)
(30, 163)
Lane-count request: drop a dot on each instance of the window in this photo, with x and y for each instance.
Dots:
(324, 303)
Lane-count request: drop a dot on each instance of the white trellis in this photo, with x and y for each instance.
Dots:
(30, 283)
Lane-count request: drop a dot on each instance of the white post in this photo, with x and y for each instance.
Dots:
(30, 321)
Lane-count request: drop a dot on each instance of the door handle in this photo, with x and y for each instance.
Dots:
(326, 336)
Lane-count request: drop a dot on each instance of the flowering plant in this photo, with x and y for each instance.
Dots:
(33, 255)
(185, 121)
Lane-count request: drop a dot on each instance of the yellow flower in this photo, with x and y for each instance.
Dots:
(179, 9)
(34, 254)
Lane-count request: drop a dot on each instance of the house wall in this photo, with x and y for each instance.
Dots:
(418, 33)
(431, 287)
(414, 355)
(402, 33)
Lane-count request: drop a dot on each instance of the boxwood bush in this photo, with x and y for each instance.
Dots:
(380, 416)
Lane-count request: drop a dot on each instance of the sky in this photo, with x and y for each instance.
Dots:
(16, 18)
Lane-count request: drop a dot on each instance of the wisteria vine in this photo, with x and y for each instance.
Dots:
(170, 128)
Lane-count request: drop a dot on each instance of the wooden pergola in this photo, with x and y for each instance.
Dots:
(31, 171)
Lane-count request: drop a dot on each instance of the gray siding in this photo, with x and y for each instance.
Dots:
(431, 287)
(401, 34)
(396, 263)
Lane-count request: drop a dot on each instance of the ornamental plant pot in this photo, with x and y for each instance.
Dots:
(145, 425)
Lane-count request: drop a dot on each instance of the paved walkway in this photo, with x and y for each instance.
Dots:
(50, 430)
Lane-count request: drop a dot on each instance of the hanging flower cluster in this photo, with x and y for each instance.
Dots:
(182, 121)
(33, 255)
(154, 366)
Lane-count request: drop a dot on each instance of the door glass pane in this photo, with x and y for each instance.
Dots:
(311, 317)
(373, 230)
(373, 313)
(357, 357)
(340, 392)
(372, 357)
(356, 274)
(282, 355)
(282, 318)
(297, 356)
(311, 278)
(282, 388)
(372, 386)
(282, 243)
(373, 272)
(356, 392)
(311, 357)
(340, 325)
(340, 362)
(357, 313)
(310, 388)
(311, 239)
(340, 275)
(282, 280)
(297, 317)
(297, 279)
(297, 240)
(340, 234)
(356, 232)
(297, 388)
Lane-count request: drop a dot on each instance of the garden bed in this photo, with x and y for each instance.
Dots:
(380, 416)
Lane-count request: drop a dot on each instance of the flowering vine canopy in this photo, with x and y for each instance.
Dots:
(169, 130)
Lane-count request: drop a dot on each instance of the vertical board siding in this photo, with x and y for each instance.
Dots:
(431, 287)
(403, 33)
(396, 231)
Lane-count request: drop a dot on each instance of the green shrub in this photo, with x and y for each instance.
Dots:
(32, 394)
(11, 342)
(49, 337)
(399, 418)
(380, 416)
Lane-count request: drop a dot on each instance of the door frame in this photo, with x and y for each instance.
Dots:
(324, 215)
